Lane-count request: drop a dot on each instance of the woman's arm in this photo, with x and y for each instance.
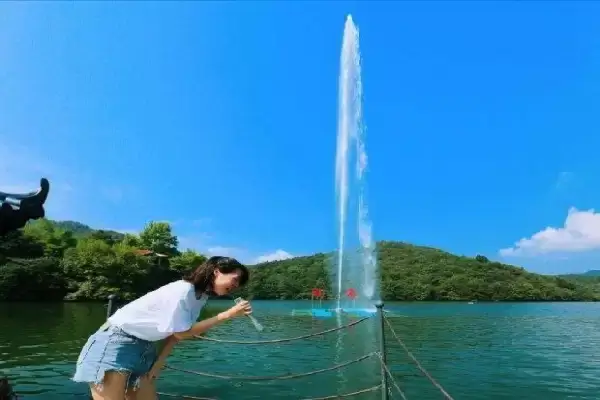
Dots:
(166, 349)
(171, 341)
(242, 308)
(200, 327)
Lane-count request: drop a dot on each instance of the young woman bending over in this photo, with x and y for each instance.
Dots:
(121, 360)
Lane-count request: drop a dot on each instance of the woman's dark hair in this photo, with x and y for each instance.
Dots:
(6, 392)
(203, 276)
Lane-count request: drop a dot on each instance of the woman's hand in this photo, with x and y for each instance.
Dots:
(240, 309)
(155, 370)
(165, 349)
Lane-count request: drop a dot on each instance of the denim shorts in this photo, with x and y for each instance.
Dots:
(111, 349)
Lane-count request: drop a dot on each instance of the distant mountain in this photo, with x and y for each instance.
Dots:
(592, 272)
(413, 273)
(80, 230)
(77, 228)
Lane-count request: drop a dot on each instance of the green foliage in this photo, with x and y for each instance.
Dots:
(80, 230)
(36, 279)
(414, 273)
(55, 240)
(421, 273)
(158, 237)
(289, 279)
(186, 261)
(48, 261)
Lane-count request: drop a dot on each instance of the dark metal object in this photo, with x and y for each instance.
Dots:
(18, 208)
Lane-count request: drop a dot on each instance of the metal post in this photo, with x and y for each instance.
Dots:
(384, 378)
(110, 306)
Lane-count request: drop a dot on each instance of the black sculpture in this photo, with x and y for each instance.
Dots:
(6, 391)
(16, 209)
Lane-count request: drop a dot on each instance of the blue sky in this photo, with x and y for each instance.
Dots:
(221, 118)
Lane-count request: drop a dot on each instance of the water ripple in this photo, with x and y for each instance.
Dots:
(479, 352)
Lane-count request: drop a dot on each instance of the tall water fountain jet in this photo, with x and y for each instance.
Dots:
(356, 259)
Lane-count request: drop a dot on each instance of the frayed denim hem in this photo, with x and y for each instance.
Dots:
(133, 381)
(112, 350)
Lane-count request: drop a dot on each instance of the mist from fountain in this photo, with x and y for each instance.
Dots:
(356, 262)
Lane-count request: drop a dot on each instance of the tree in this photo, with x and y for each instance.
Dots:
(54, 240)
(108, 237)
(186, 261)
(16, 244)
(158, 237)
(46, 262)
(482, 259)
(132, 240)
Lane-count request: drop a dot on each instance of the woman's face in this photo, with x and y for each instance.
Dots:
(225, 283)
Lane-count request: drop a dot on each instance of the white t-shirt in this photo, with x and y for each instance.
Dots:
(156, 315)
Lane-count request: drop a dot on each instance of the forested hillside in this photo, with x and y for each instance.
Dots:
(70, 261)
(411, 272)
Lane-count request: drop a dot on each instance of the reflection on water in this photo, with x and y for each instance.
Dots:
(483, 351)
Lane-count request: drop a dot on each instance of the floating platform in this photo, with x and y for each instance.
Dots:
(359, 312)
(330, 312)
(312, 312)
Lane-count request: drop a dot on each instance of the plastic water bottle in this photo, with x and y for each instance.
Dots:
(256, 324)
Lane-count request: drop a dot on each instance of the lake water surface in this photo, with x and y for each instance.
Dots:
(482, 351)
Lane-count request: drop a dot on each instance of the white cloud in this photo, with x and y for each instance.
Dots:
(274, 256)
(246, 256)
(581, 232)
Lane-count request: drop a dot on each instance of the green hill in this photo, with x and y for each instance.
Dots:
(411, 272)
(593, 272)
(81, 230)
(77, 228)
(51, 260)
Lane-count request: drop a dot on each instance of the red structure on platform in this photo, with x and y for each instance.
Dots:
(351, 293)
(317, 294)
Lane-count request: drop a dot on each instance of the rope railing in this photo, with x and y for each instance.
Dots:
(185, 397)
(284, 376)
(275, 377)
(351, 394)
(334, 396)
(414, 359)
(283, 340)
(389, 374)
(385, 371)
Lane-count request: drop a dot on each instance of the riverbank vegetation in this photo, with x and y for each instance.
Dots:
(49, 260)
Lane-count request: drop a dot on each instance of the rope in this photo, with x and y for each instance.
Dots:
(339, 396)
(387, 371)
(417, 363)
(278, 377)
(335, 396)
(181, 396)
(284, 339)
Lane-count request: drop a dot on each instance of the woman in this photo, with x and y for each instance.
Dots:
(121, 360)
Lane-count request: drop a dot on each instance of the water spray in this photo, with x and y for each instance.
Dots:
(256, 324)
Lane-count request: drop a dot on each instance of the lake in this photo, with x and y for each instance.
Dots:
(480, 351)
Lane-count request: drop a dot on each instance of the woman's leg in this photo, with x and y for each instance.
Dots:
(146, 391)
(112, 387)
(111, 363)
